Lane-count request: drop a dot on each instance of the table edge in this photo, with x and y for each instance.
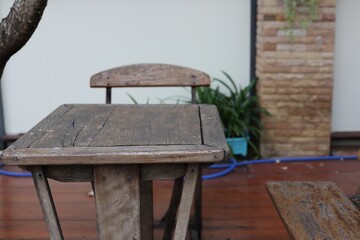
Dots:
(114, 155)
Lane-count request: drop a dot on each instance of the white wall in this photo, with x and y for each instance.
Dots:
(76, 39)
(346, 110)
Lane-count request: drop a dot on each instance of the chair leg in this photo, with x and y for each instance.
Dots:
(146, 208)
(169, 217)
(198, 207)
(187, 196)
(47, 203)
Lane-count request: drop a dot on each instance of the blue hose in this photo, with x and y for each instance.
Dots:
(284, 160)
(230, 166)
(14, 174)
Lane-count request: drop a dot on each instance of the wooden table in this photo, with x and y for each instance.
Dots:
(121, 149)
(315, 210)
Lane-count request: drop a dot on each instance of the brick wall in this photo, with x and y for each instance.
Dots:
(295, 81)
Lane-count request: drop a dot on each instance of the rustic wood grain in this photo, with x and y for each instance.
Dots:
(355, 199)
(186, 201)
(76, 128)
(114, 125)
(47, 203)
(83, 134)
(70, 173)
(41, 128)
(212, 129)
(315, 210)
(151, 125)
(141, 75)
(117, 202)
(115, 155)
(84, 173)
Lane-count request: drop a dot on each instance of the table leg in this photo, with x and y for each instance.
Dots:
(187, 196)
(117, 196)
(47, 203)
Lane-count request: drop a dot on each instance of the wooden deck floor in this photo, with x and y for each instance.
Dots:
(235, 207)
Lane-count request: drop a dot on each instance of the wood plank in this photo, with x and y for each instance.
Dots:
(116, 155)
(212, 129)
(78, 134)
(116, 125)
(70, 173)
(186, 201)
(98, 120)
(315, 210)
(149, 75)
(47, 203)
(150, 125)
(41, 128)
(84, 173)
(76, 128)
(117, 202)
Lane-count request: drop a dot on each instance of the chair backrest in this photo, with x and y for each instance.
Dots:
(150, 75)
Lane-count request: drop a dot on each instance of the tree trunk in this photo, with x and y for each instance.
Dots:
(17, 28)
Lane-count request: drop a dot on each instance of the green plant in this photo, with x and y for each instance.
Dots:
(299, 11)
(239, 110)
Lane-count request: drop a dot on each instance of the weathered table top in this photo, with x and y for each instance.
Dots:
(105, 134)
(315, 210)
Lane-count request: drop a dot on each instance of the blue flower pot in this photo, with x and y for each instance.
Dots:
(238, 145)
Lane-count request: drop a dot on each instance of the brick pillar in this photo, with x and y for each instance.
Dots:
(295, 81)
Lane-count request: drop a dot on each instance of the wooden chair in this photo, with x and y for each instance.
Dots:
(315, 210)
(159, 75)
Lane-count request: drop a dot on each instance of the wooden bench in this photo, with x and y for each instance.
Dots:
(315, 210)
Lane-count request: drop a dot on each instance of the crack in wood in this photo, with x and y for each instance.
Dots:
(102, 126)
(201, 130)
(107, 119)
(75, 137)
